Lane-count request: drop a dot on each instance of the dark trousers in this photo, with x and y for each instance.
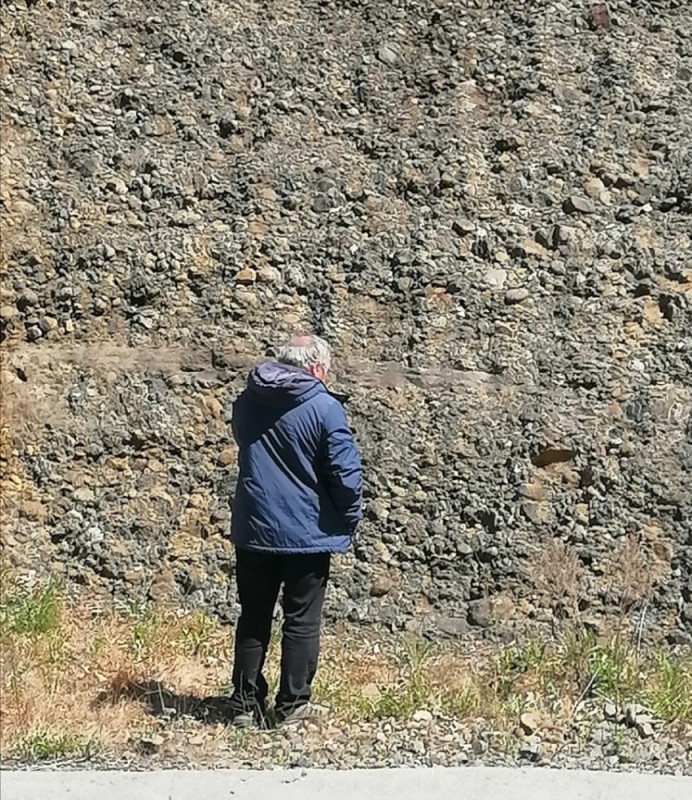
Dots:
(259, 578)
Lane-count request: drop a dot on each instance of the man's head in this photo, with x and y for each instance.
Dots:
(309, 353)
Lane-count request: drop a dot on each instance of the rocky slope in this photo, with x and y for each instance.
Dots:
(485, 206)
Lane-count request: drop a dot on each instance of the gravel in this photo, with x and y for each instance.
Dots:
(426, 741)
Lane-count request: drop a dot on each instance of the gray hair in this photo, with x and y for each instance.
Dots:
(305, 352)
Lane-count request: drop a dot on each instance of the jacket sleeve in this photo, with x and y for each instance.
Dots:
(343, 469)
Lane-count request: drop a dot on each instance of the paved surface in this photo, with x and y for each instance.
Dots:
(402, 784)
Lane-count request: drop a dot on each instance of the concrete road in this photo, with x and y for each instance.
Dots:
(401, 784)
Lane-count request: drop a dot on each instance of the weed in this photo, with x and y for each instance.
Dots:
(239, 736)
(45, 745)
(631, 575)
(32, 614)
(669, 693)
(393, 703)
(559, 578)
(140, 636)
(198, 631)
(615, 669)
(70, 677)
(522, 667)
(460, 703)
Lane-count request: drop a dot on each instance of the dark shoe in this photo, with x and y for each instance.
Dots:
(242, 716)
(307, 712)
(244, 719)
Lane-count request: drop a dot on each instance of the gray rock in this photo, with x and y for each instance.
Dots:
(451, 626)
(515, 296)
(645, 729)
(601, 736)
(632, 712)
(321, 203)
(576, 204)
(388, 54)
(463, 226)
(117, 185)
(479, 746)
(480, 613)
(530, 750)
(599, 16)
(28, 299)
(497, 279)
(151, 744)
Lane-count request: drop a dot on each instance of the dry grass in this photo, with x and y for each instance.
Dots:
(61, 659)
(76, 679)
(632, 576)
(559, 577)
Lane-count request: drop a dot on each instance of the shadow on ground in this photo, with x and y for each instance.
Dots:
(164, 703)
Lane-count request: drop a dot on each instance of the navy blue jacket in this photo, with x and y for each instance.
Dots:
(300, 483)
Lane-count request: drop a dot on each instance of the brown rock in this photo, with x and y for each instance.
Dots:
(84, 494)
(163, 587)
(133, 575)
(593, 187)
(48, 324)
(269, 275)
(581, 513)
(227, 456)
(652, 312)
(504, 607)
(534, 491)
(213, 406)
(151, 744)
(536, 512)
(532, 248)
(371, 692)
(33, 511)
(246, 276)
(530, 723)
(553, 454)
(599, 18)
(8, 312)
(381, 586)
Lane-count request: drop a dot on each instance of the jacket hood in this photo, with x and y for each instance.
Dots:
(282, 385)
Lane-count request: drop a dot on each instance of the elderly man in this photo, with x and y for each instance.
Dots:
(297, 501)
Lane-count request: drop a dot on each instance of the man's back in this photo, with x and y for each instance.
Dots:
(297, 501)
(299, 486)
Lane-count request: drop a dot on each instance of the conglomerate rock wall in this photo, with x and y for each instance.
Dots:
(485, 206)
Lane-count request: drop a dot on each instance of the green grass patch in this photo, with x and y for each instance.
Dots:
(198, 631)
(33, 614)
(669, 696)
(578, 666)
(43, 745)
